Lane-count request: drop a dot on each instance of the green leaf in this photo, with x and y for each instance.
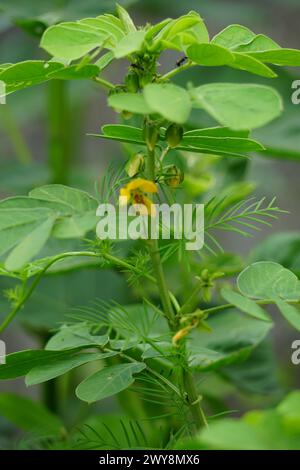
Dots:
(20, 363)
(239, 106)
(19, 217)
(288, 57)
(75, 72)
(233, 36)
(123, 133)
(81, 216)
(244, 304)
(126, 20)
(30, 245)
(29, 415)
(217, 132)
(132, 102)
(62, 365)
(108, 381)
(129, 44)
(268, 280)
(252, 65)
(213, 350)
(171, 101)
(223, 144)
(74, 336)
(290, 313)
(209, 54)
(72, 40)
(259, 43)
(181, 32)
(28, 73)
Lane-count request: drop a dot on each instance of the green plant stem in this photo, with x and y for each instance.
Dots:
(58, 131)
(104, 83)
(16, 138)
(174, 72)
(193, 398)
(155, 257)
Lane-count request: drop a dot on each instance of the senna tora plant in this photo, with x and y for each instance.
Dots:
(193, 313)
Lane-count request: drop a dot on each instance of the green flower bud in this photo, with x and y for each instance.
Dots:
(151, 135)
(135, 164)
(174, 135)
(132, 82)
(173, 176)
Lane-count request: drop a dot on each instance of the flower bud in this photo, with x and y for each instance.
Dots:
(135, 164)
(174, 135)
(132, 82)
(151, 135)
(173, 176)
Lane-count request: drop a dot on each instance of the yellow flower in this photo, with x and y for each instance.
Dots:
(134, 193)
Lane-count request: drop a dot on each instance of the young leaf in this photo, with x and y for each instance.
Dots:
(129, 44)
(209, 54)
(108, 381)
(74, 336)
(239, 106)
(171, 101)
(245, 304)
(62, 365)
(268, 280)
(126, 20)
(29, 415)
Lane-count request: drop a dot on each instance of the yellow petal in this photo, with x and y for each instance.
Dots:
(140, 183)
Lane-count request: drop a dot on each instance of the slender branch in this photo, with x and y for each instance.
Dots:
(174, 72)
(104, 83)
